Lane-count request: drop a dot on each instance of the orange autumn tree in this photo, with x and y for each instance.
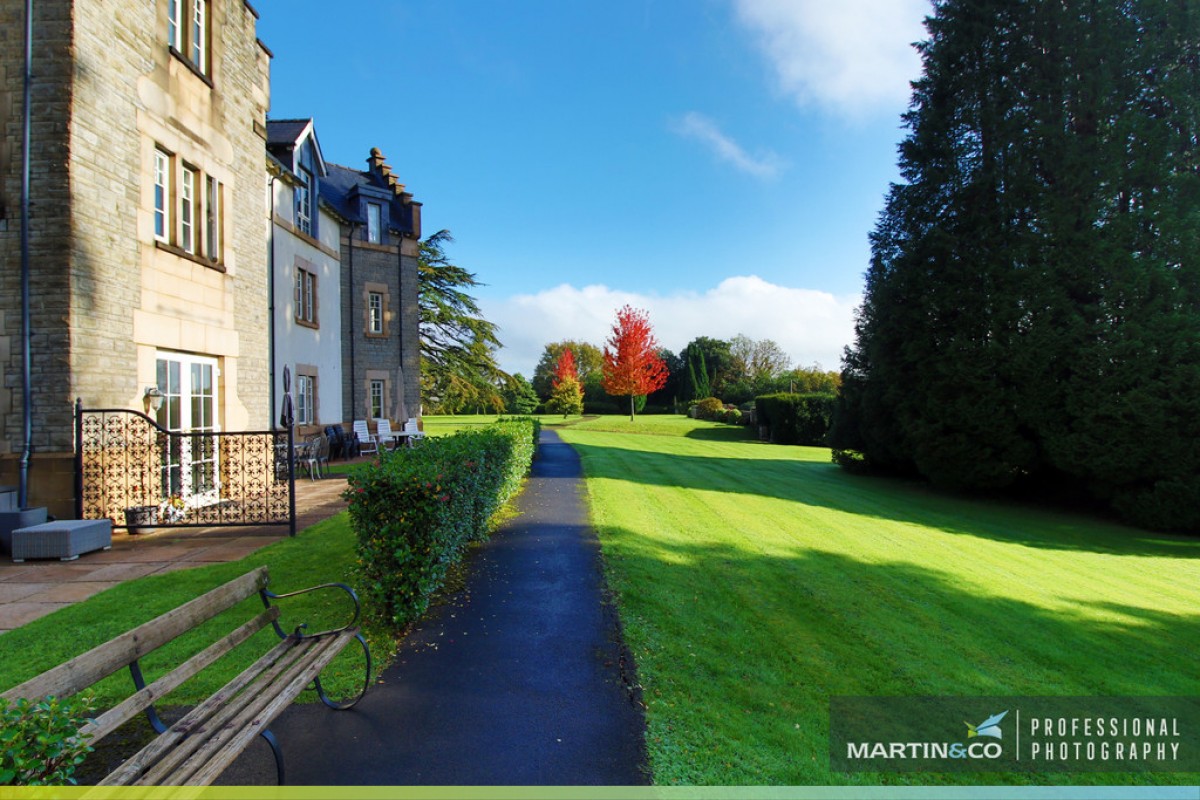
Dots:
(631, 362)
(567, 397)
(565, 368)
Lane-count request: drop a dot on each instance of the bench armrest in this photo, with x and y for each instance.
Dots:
(267, 596)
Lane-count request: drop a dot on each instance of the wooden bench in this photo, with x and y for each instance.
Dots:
(196, 750)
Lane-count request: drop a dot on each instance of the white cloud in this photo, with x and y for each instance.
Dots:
(852, 57)
(699, 127)
(810, 325)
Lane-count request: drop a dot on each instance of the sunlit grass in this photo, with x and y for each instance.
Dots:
(756, 581)
(323, 553)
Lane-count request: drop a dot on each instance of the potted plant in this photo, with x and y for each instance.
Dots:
(138, 517)
(172, 509)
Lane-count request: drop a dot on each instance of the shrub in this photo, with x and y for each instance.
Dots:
(796, 418)
(417, 509)
(710, 408)
(733, 416)
(40, 743)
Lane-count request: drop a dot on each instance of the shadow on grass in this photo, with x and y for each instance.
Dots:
(826, 485)
(735, 647)
(732, 433)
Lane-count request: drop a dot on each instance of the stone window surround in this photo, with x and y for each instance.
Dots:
(173, 241)
(310, 372)
(182, 44)
(304, 290)
(380, 376)
(382, 290)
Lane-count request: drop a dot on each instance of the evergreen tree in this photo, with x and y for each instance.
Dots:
(1035, 277)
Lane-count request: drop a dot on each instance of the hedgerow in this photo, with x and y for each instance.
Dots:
(796, 418)
(417, 509)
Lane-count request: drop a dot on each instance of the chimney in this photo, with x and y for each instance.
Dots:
(375, 162)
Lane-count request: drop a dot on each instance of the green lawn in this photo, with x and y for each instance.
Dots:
(755, 581)
(323, 553)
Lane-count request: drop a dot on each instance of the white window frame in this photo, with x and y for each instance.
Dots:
(374, 222)
(199, 38)
(375, 313)
(305, 295)
(213, 214)
(376, 396)
(174, 24)
(187, 209)
(162, 195)
(304, 202)
(198, 457)
(306, 393)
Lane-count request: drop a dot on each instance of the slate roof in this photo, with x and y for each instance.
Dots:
(285, 131)
(338, 189)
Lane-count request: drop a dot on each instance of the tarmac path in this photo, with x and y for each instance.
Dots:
(519, 679)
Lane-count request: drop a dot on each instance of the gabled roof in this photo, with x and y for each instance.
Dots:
(285, 135)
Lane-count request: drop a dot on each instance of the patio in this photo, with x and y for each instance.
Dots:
(34, 589)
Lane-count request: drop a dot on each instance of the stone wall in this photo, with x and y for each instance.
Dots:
(105, 298)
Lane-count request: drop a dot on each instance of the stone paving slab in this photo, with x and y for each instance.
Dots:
(38, 587)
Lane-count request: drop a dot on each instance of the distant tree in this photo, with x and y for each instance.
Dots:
(713, 359)
(632, 366)
(756, 361)
(567, 397)
(589, 364)
(519, 396)
(565, 368)
(673, 390)
(701, 389)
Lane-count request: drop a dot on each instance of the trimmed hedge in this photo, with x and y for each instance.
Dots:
(416, 510)
(796, 418)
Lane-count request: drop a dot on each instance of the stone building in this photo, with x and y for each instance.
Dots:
(380, 318)
(306, 296)
(148, 253)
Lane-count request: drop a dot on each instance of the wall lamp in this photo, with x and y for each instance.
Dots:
(153, 398)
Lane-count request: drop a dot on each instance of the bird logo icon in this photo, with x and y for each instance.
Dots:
(989, 727)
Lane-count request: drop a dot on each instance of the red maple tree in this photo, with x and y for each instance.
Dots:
(631, 362)
(565, 368)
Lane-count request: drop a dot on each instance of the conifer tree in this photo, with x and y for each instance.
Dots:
(1035, 276)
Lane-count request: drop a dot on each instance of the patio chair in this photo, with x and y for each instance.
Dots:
(383, 429)
(367, 443)
(314, 451)
(341, 444)
(413, 431)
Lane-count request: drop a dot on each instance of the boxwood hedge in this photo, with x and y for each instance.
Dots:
(415, 511)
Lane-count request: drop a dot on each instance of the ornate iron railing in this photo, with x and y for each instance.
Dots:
(138, 474)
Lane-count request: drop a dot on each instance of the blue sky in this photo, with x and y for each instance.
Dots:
(717, 162)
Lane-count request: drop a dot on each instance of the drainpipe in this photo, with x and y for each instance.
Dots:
(271, 289)
(26, 333)
(350, 323)
(400, 314)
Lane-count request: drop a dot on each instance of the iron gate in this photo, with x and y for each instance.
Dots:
(131, 470)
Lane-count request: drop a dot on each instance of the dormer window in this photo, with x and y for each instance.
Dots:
(374, 214)
(304, 202)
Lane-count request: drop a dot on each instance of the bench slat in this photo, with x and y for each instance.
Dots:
(101, 661)
(161, 747)
(137, 702)
(206, 765)
(199, 735)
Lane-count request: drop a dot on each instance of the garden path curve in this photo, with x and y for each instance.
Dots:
(518, 680)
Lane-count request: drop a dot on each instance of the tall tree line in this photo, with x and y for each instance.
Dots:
(1032, 306)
